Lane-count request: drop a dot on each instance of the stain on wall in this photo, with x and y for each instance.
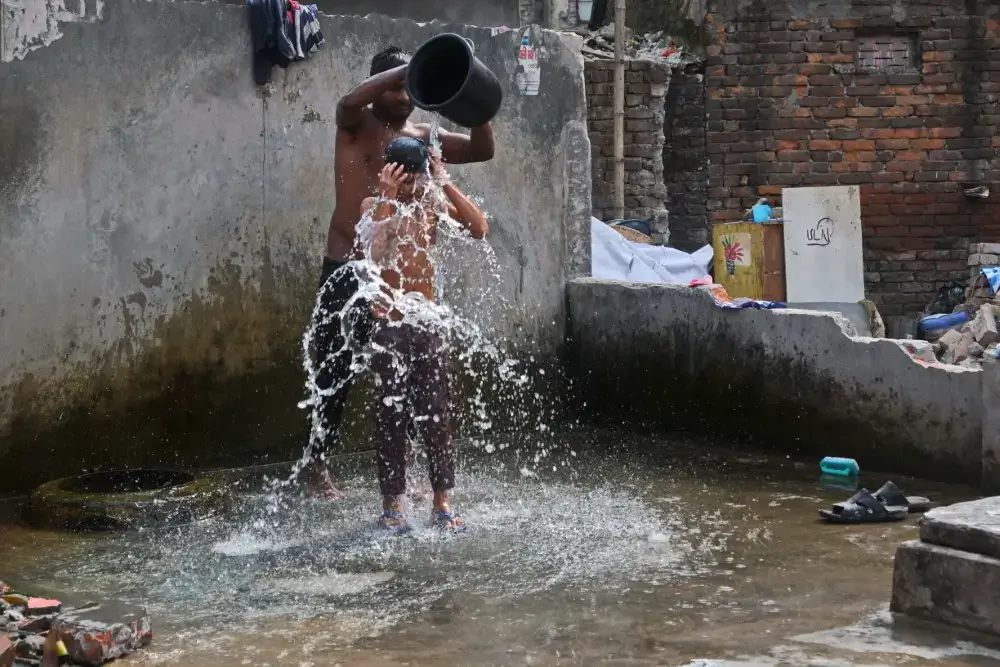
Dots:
(163, 221)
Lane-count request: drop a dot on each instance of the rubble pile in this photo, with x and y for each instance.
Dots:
(974, 343)
(962, 321)
(981, 256)
(91, 634)
(600, 45)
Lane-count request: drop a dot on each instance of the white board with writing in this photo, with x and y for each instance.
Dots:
(824, 261)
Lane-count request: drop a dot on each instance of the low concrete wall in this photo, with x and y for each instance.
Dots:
(162, 222)
(991, 430)
(666, 356)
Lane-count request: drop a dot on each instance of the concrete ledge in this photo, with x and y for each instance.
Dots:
(800, 381)
(972, 526)
(991, 429)
(945, 585)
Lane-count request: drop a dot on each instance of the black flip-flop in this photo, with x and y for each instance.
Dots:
(890, 494)
(863, 507)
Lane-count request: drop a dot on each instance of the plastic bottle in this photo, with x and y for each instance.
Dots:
(841, 467)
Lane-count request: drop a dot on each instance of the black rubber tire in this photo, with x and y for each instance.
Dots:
(125, 500)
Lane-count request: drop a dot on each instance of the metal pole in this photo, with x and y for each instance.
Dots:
(619, 93)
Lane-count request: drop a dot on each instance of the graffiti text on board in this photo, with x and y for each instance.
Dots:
(822, 234)
(526, 53)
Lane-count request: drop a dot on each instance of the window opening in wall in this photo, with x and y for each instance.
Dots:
(889, 54)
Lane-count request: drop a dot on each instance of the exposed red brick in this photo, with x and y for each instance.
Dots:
(909, 139)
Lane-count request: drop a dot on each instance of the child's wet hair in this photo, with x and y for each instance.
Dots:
(409, 152)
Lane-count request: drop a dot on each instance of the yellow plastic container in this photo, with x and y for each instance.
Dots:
(750, 259)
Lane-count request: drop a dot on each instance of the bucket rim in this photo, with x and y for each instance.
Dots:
(470, 55)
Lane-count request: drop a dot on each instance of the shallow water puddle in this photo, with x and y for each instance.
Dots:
(624, 558)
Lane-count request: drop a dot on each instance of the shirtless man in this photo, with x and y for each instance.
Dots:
(368, 117)
(410, 360)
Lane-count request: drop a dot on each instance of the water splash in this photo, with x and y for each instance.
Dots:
(468, 301)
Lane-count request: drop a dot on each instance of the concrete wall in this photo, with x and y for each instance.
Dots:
(991, 430)
(469, 12)
(162, 222)
(665, 356)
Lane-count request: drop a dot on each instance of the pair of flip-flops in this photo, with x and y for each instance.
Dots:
(886, 504)
(395, 523)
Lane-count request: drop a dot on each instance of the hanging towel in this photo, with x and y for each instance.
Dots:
(312, 36)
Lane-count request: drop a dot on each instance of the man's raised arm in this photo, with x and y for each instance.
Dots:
(477, 146)
(351, 105)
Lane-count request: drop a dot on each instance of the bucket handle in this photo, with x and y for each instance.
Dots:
(472, 45)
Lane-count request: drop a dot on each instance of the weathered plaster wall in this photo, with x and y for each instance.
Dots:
(666, 356)
(483, 13)
(29, 24)
(162, 223)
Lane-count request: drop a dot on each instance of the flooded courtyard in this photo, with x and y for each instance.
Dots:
(635, 552)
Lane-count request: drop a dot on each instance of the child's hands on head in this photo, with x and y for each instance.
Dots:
(390, 178)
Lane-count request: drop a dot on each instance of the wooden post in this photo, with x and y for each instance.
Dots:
(619, 93)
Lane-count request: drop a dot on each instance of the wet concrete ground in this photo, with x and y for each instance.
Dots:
(637, 552)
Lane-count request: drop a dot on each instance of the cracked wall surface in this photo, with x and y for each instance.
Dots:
(162, 223)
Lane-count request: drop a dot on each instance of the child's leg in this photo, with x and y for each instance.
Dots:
(431, 399)
(392, 416)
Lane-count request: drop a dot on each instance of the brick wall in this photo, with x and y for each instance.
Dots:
(645, 89)
(899, 98)
(685, 161)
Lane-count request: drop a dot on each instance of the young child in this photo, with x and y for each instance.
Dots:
(410, 360)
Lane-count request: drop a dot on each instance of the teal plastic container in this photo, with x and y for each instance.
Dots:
(840, 467)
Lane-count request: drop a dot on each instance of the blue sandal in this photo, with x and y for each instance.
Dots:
(394, 522)
(445, 520)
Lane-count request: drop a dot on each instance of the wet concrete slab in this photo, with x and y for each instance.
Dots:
(947, 585)
(972, 526)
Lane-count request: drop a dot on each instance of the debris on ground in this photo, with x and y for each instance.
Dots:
(600, 45)
(91, 635)
(102, 632)
(961, 322)
(6, 651)
(971, 343)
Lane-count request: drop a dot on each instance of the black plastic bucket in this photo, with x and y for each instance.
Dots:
(445, 76)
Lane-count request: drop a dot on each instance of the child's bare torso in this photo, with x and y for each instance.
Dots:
(406, 267)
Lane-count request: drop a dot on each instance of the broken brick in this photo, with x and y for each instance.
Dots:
(984, 326)
(35, 624)
(98, 633)
(39, 606)
(30, 647)
(950, 338)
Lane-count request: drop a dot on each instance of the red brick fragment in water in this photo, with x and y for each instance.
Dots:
(39, 606)
(98, 633)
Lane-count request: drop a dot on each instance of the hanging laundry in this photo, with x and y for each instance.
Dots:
(311, 36)
(282, 31)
